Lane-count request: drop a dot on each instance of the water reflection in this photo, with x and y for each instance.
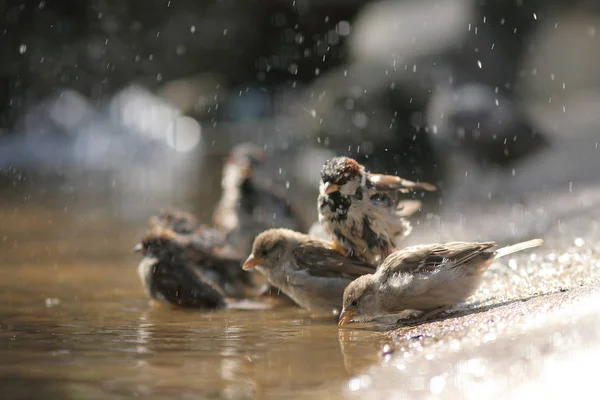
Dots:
(75, 322)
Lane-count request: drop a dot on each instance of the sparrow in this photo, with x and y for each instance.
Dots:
(168, 276)
(430, 278)
(206, 250)
(362, 211)
(306, 269)
(249, 206)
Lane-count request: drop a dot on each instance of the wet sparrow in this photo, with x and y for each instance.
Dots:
(169, 277)
(362, 211)
(304, 268)
(207, 251)
(428, 278)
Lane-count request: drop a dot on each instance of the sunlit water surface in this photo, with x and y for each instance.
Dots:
(75, 322)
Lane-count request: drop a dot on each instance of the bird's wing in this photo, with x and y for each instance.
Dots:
(395, 183)
(427, 258)
(318, 259)
(180, 284)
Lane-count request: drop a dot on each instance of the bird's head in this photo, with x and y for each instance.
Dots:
(341, 175)
(360, 301)
(270, 247)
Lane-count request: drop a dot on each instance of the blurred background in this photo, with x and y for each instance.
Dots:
(139, 101)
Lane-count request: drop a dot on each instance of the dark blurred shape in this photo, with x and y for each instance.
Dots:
(251, 203)
(482, 124)
(201, 247)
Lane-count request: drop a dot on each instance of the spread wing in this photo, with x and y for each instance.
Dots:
(385, 183)
(319, 260)
(427, 258)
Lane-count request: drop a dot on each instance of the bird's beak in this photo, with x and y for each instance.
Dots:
(251, 262)
(331, 188)
(138, 247)
(346, 316)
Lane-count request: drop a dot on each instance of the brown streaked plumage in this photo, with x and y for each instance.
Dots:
(427, 278)
(305, 269)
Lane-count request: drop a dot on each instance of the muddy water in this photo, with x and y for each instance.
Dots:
(75, 323)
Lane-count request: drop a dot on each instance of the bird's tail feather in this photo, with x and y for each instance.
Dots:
(518, 247)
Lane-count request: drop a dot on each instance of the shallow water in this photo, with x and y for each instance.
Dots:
(75, 322)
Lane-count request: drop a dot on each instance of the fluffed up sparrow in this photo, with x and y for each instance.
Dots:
(428, 278)
(362, 211)
(305, 269)
(205, 249)
(169, 277)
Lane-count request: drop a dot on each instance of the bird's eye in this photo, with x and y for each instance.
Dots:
(264, 252)
(354, 303)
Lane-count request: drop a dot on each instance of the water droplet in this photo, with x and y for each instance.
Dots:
(22, 48)
(193, 28)
(387, 350)
(51, 302)
(479, 64)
